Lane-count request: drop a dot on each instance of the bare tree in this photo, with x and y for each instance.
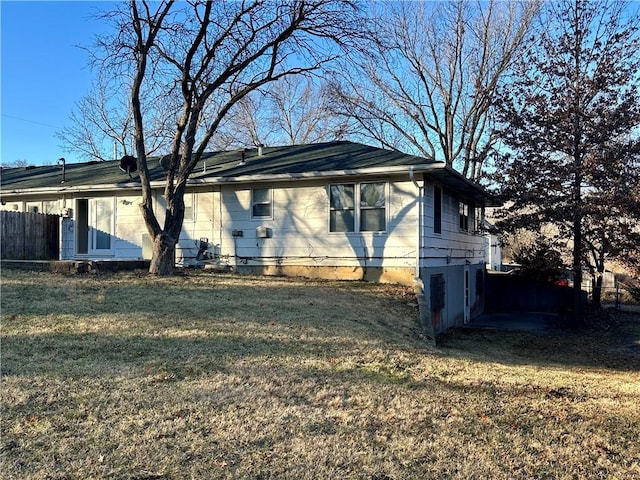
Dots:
(207, 57)
(102, 121)
(427, 83)
(302, 112)
(293, 110)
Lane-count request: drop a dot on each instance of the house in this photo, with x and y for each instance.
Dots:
(337, 210)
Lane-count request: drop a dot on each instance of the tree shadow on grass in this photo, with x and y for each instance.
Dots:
(613, 347)
(71, 355)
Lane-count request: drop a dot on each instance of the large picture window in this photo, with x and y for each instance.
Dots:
(369, 214)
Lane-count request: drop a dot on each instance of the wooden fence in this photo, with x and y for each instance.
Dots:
(510, 293)
(29, 236)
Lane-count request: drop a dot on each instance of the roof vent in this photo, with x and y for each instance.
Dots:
(260, 149)
(63, 162)
(128, 164)
(242, 160)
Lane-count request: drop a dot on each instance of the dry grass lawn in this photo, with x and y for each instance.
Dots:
(212, 377)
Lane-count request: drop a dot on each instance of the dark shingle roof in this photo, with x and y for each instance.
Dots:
(313, 159)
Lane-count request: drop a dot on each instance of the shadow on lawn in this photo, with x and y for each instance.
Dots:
(70, 355)
(274, 317)
(614, 345)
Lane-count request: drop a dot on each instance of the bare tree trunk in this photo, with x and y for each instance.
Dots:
(596, 299)
(163, 259)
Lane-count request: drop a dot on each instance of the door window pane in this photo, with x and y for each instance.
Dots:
(104, 216)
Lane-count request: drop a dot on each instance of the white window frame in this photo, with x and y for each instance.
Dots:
(33, 207)
(189, 206)
(463, 215)
(478, 217)
(254, 203)
(160, 207)
(357, 208)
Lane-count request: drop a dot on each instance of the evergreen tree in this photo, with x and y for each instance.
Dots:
(571, 132)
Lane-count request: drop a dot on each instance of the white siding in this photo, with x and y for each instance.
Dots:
(453, 246)
(300, 229)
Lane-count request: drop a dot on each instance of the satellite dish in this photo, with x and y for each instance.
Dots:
(165, 161)
(128, 164)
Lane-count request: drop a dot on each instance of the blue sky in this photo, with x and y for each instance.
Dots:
(43, 74)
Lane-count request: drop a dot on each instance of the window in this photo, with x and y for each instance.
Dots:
(463, 208)
(372, 207)
(369, 214)
(436, 290)
(188, 199)
(33, 207)
(188, 207)
(261, 203)
(341, 208)
(437, 209)
(50, 207)
(477, 219)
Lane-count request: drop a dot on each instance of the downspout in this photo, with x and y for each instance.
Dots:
(419, 201)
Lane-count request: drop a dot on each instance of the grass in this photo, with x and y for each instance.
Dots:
(203, 376)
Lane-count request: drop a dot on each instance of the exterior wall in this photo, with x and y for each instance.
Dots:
(299, 243)
(453, 312)
(452, 253)
(300, 240)
(455, 246)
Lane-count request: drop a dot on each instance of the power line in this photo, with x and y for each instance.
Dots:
(30, 121)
